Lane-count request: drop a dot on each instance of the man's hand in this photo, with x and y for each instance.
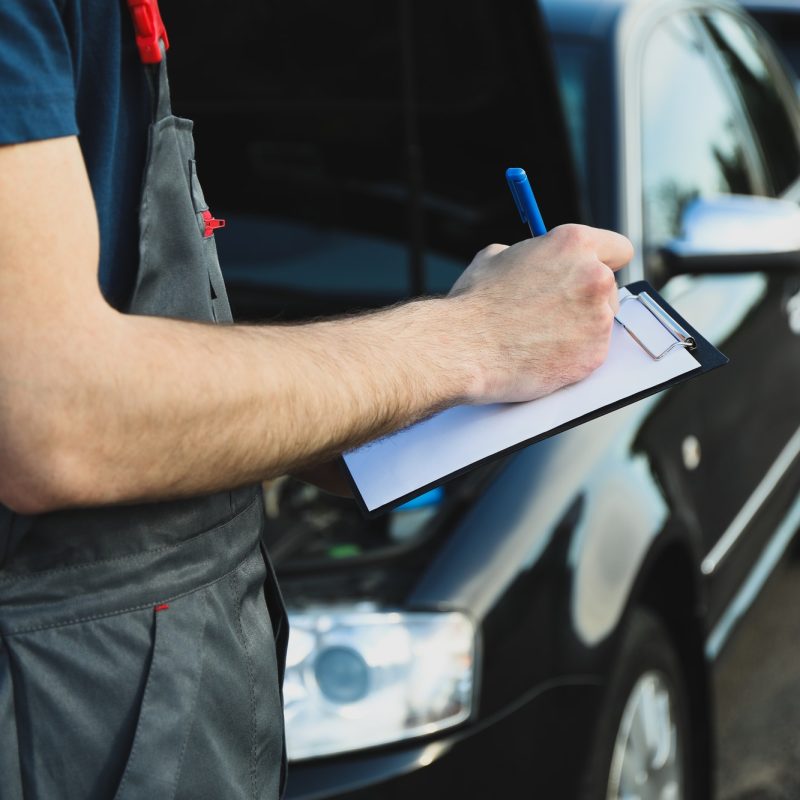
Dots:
(539, 314)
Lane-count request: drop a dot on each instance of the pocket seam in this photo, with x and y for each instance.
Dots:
(198, 684)
(237, 597)
(145, 698)
(155, 671)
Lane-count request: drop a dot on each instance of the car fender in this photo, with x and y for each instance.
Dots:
(624, 512)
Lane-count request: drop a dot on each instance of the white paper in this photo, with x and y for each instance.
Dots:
(397, 465)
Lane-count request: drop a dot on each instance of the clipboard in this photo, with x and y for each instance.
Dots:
(652, 349)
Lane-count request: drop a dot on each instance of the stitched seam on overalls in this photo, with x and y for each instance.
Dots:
(132, 557)
(139, 607)
(198, 683)
(237, 597)
(145, 699)
(14, 697)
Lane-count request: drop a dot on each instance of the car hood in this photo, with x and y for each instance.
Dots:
(356, 116)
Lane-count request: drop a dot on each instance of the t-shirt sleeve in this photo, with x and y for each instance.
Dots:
(37, 86)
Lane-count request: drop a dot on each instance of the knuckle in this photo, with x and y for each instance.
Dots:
(588, 281)
(570, 235)
(609, 281)
(491, 250)
(596, 281)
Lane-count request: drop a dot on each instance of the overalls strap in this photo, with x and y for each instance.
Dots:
(142, 646)
(153, 43)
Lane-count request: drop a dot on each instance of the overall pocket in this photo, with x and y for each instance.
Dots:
(76, 690)
(235, 747)
(169, 700)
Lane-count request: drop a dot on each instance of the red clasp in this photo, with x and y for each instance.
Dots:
(211, 224)
(149, 28)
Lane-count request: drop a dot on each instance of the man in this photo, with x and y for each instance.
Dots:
(141, 631)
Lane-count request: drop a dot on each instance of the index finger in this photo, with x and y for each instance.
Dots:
(612, 248)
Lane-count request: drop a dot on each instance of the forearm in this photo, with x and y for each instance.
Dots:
(97, 407)
(149, 408)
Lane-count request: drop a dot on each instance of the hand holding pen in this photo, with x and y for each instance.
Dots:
(540, 311)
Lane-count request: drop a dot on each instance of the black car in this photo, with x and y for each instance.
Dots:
(611, 612)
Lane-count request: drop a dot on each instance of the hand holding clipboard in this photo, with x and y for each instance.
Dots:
(651, 349)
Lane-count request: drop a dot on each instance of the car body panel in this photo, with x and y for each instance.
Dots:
(434, 769)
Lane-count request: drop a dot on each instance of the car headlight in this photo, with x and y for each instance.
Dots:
(359, 678)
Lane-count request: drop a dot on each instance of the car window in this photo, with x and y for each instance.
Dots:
(691, 143)
(743, 55)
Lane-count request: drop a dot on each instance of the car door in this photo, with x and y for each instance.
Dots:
(755, 674)
(695, 141)
(771, 354)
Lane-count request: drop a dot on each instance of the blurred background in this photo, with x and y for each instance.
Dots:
(609, 613)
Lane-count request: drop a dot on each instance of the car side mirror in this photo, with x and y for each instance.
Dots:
(736, 233)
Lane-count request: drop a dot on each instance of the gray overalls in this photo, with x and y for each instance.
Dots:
(142, 647)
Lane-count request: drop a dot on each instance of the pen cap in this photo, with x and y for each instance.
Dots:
(515, 176)
(524, 198)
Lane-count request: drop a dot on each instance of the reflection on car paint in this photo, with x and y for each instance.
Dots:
(716, 304)
(624, 512)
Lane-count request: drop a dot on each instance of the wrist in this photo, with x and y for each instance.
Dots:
(459, 325)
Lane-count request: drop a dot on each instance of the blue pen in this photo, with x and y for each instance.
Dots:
(526, 202)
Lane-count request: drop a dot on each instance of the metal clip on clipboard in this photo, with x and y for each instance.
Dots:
(682, 337)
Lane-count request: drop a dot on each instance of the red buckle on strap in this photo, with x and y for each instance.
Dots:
(212, 223)
(149, 28)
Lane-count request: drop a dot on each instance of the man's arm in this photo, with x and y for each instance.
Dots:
(99, 407)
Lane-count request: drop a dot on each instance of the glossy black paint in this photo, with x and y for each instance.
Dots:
(502, 745)
(549, 550)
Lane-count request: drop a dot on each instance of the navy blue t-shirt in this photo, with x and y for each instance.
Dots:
(71, 67)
